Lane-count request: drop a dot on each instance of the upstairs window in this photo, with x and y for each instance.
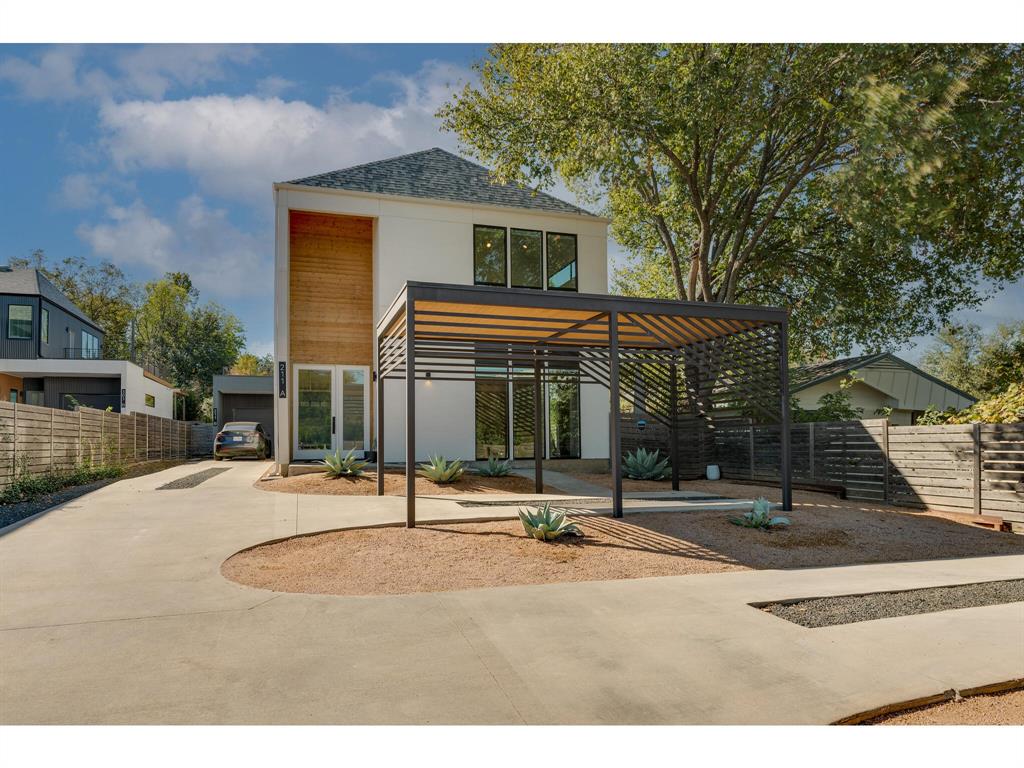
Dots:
(44, 326)
(489, 256)
(90, 346)
(561, 262)
(150, 401)
(527, 248)
(19, 321)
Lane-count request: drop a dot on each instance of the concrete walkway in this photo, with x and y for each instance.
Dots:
(113, 610)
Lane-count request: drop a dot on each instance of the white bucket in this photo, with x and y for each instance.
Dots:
(713, 472)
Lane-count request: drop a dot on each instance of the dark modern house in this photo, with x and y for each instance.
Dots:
(51, 354)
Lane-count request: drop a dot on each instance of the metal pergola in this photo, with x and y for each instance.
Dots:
(685, 361)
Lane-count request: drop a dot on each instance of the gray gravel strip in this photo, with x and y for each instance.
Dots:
(13, 513)
(191, 481)
(848, 609)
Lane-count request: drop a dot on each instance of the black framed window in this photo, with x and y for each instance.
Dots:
(489, 256)
(491, 416)
(19, 321)
(561, 262)
(564, 415)
(44, 325)
(527, 257)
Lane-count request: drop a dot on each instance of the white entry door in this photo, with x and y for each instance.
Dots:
(331, 409)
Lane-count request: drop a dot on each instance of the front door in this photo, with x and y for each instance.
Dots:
(332, 410)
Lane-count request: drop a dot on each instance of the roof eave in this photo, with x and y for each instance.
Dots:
(288, 186)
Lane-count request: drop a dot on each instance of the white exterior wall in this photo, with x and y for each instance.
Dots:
(432, 241)
(137, 385)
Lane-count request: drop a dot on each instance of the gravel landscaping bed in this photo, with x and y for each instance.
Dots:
(848, 609)
(394, 485)
(191, 481)
(14, 513)
(433, 558)
(987, 709)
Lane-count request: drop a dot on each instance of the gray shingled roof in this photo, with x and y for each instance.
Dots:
(808, 375)
(437, 175)
(32, 282)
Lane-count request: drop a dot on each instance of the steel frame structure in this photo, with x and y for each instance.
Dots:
(683, 360)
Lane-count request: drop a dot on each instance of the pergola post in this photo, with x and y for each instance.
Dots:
(410, 411)
(673, 432)
(614, 428)
(538, 430)
(785, 460)
(379, 405)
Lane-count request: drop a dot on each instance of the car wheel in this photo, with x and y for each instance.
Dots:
(218, 458)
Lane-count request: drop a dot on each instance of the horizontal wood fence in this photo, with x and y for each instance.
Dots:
(36, 440)
(971, 468)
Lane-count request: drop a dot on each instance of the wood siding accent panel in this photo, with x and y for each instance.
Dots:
(330, 308)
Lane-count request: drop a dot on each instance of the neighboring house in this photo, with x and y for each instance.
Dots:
(51, 354)
(881, 382)
(244, 398)
(348, 240)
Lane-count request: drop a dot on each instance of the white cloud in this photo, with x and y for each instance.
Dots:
(273, 86)
(222, 260)
(63, 73)
(236, 146)
(80, 191)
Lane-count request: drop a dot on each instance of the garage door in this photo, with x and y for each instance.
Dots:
(249, 408)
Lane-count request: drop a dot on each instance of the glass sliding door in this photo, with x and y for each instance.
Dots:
(564, 415)
(314, 411)
(354, 409)
(492, 418)
(522, 419)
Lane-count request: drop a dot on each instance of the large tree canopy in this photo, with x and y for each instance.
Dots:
(984, 365)
(873, 189)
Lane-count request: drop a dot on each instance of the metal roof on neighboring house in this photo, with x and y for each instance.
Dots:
(808, 375)
(32, 282)
(436, 174)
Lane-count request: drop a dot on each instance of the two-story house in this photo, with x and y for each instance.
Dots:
(346, 243)
(51, 354)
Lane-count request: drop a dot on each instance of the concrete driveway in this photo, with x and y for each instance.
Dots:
(113, 610)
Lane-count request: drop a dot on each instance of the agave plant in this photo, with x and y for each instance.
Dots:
(343, 466)
(760, 517)
(440, 470)
(642, 464)
(496, 468)
(547, 523)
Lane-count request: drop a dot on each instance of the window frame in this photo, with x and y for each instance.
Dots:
(44, 325)
(543, 260)
(505, 261)
(31, 323)
(94, 338)
(149, 400)
(575, 261)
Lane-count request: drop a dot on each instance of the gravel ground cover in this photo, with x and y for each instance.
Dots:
(467, 555)
(13, 513)
(191, 481)
(987, 709)
(848, 609)
(394, 485)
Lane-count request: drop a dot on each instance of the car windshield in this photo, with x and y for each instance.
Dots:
(241, 426)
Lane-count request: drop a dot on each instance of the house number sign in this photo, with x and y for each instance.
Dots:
(282, 379)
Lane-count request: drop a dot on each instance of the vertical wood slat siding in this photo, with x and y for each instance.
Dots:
(934, 467)
(38, 439)
(330, 308)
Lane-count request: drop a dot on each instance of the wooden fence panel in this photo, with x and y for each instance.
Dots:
(35, 439)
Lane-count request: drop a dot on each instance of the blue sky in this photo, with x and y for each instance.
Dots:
(162, 157)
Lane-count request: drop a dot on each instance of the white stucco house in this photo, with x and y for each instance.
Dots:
(346, 243)
(881, 383)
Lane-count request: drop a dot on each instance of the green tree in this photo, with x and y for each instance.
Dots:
(869, 188)
(191, 342)
(832, 406)
(249, 364)
(983, 365)
(100, 290)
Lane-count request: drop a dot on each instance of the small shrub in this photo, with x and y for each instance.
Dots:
(760, 517)
(496, 468)
(26, 487)
(343, 466)
(645, 465)
(442, 471)
(547, 523)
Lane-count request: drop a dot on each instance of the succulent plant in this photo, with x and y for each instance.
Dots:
(547, 523)
(760, 517)
(642, 464)
(440, 470)
(496, 468)
(343, 466)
